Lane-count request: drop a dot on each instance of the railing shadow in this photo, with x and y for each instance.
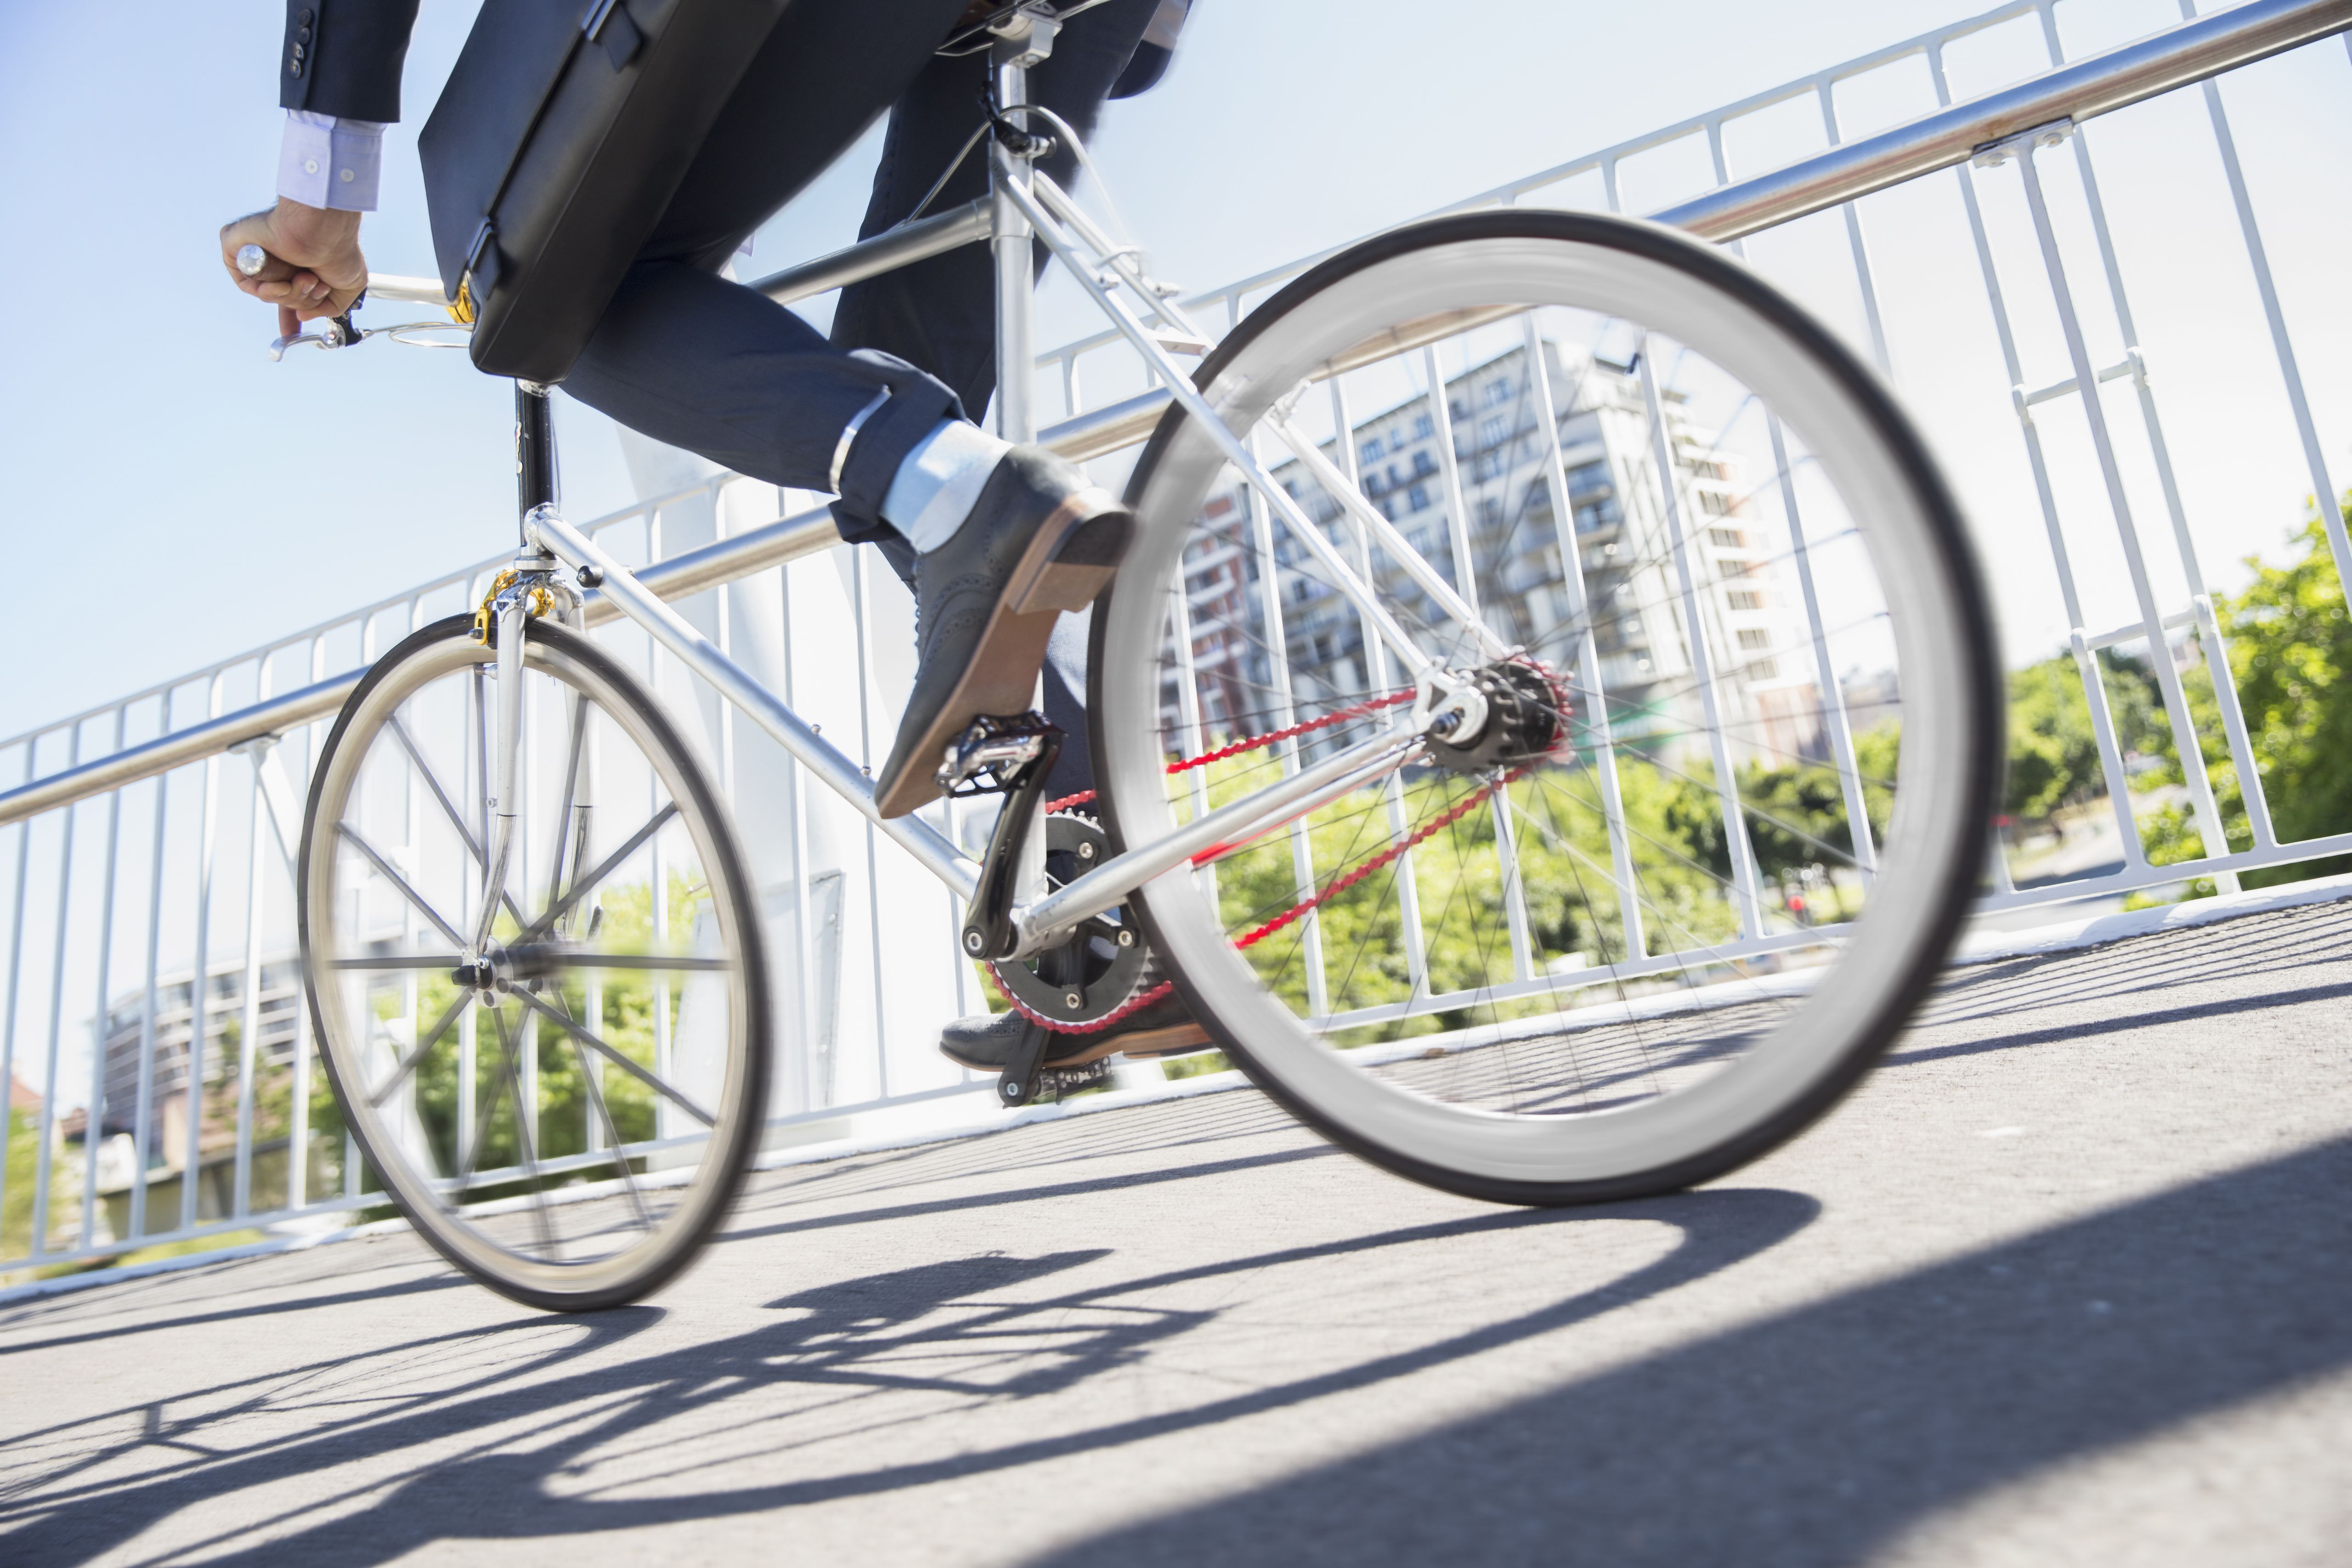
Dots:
(933, 1328)
(1823, 1435)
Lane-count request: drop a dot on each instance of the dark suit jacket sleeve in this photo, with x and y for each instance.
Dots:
(343, 57)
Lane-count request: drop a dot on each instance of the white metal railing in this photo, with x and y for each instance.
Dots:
(147, 893)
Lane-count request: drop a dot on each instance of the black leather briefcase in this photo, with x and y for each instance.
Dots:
(564, 130)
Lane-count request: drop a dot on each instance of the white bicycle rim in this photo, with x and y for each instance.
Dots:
(1930, 846)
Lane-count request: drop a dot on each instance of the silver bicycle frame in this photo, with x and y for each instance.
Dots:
(1024, 206)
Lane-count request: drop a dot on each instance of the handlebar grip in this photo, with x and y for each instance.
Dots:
(251, 259)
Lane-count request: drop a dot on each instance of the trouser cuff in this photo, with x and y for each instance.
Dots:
(918, 402)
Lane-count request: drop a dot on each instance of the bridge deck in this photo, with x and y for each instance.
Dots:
(2068, 1281)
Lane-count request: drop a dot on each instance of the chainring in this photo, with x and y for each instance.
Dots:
(1103, 966)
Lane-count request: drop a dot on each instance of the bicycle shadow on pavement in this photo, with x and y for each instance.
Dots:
(1825, 1434)
(932, 1329)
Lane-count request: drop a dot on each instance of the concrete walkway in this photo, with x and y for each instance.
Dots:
(2070, 1280)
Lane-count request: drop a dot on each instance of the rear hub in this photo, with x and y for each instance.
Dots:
(1526, 716)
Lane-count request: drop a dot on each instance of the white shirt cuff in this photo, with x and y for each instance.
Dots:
(324, 162)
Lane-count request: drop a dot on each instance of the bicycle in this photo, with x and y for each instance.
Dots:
(1458, 868)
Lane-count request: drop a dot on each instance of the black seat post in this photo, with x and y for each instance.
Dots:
(534, 448)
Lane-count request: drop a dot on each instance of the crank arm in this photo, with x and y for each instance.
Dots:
(989, 930)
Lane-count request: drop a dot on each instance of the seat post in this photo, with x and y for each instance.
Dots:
(534, 450)
(1024, 41)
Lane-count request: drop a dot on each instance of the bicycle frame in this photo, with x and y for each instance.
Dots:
(1024, 206)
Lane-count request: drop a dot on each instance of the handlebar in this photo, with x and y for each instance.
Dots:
(338, 330)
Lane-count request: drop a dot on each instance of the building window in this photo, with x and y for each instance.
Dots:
(1727, 539)
(1494, 429)
(1745, 599)
(1499, 392)
(1424, 427)
(1303, 589)
(1763, 669)
(1715, 503)
(1422, 463)
(1418, 498)
(1370, 450)
(1490, 512)
(1753, 637)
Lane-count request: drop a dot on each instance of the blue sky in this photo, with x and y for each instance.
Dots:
(175, 498)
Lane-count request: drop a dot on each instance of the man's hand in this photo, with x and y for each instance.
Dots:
(315, 267)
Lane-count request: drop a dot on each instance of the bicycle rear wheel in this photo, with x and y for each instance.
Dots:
(569, 1126)
(1726, 809)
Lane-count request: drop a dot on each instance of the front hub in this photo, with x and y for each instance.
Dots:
(1526, 713)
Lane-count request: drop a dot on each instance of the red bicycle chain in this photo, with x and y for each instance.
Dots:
(1135, 1003)
(1349, 877)
(1336, 716)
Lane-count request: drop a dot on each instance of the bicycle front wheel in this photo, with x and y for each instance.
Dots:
(567, 1120)
(1725, 804)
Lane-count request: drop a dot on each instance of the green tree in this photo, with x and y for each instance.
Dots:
(2290, 643)
(2053, 753)
(17, 1217)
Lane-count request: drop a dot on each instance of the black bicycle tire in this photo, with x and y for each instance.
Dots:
(735, 1164)
(1963, 579)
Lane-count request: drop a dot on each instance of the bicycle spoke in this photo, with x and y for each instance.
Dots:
(448, 807)
(613, 1139)
(407, 1063)
(586, 1037)
(564, 831)
(384, 869)
(605, 867)
(645, 961)
(510, 1053)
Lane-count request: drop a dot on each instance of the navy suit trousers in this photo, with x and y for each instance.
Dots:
(717, 368)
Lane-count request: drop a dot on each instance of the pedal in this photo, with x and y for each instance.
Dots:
(1057, 1083)
(992, 754)
(1016, 755)
(1025, 1081)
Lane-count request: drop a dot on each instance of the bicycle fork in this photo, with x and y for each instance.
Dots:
(529, 588)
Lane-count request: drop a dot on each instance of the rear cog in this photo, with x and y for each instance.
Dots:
(1526, 714)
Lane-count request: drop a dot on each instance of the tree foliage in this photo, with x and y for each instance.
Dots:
(2290, 645)
(2054, 752)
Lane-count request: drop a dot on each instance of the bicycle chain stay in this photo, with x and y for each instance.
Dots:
(1339, 883)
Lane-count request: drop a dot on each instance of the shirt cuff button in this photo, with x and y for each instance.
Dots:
(310, 165)
(349, 176)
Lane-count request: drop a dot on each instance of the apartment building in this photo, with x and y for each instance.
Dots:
(1474, 480)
